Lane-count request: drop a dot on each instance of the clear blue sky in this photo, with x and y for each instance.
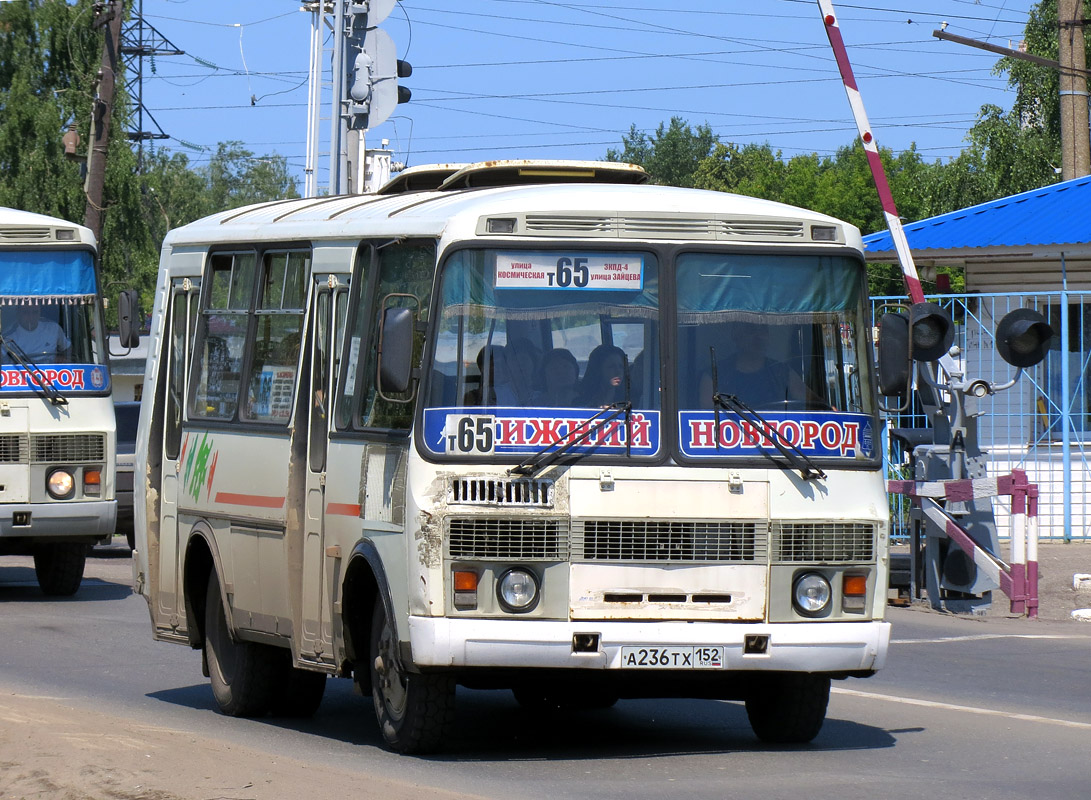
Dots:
(540, 79)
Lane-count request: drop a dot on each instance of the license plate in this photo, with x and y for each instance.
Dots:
(672, 657)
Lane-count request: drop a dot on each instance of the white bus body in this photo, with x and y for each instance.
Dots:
(396, 538)
(56, 412)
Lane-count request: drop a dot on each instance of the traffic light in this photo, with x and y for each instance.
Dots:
(373, 67)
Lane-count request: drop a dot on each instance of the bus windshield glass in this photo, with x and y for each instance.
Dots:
(49, 316)
(530, 345)
(783, 335)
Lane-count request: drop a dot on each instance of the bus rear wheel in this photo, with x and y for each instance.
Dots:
(59, 567)
(243, 674)
(788, 707)
(415, 711)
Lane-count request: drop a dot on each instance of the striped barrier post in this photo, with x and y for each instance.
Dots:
(1018, 527)
(1019, 580)
(1032, 550)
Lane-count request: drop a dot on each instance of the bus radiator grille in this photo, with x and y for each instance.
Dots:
(677, 541)
(67, 448)
(501, 539)
(501, 492)
(13, 449)
(823, 542)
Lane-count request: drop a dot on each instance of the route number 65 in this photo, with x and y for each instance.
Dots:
(470, 434)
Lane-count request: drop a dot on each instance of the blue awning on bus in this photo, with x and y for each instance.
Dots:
(55, 276)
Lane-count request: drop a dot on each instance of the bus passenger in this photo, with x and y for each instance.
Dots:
(604, 381)
(561, 375)
(524, 359)
(495, 388)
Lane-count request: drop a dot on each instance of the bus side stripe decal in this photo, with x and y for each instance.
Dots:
(256, 500)
(343, 509)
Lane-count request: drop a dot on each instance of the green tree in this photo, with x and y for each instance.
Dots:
(49, 57)
(671, 155)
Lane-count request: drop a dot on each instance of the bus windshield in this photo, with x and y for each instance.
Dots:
(534, 343)
(785, 335)
(49, 315)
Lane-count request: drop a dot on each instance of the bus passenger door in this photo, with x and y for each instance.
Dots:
(177, 341)
(320, 571)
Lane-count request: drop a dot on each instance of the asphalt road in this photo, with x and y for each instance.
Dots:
(968, 708)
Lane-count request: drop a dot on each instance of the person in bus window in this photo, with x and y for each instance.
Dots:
(495, 388)
(604, 381)
(41, 339)
(561, 378)
(755, 378)
(524, 360)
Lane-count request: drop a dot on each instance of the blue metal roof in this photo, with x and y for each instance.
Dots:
(1057, 214)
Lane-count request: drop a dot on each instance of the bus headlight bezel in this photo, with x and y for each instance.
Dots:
(518, 590)
(60, 482)
(812, 594)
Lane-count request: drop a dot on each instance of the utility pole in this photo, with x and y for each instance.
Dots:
(108, 14)
(1075, 141)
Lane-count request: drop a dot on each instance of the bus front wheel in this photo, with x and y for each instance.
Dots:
(788, 707)
(243, 674)
(59, 567)
(415, 711)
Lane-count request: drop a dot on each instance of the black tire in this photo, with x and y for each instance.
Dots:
(130, 539)
(415, 711)
(789, 707)
(59, 567)
(242, 674)
(299, 691)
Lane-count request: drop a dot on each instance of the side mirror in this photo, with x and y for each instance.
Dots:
(1022, 337)
(893, 354)
(128, 318)
(930, 330)
(395, 350)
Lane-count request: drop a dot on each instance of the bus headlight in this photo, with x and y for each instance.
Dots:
(811, 594)
(60, 484)
(517, 590)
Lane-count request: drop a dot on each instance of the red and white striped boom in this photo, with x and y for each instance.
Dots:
(901, 244)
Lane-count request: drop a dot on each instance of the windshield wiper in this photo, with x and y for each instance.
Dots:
(546, 457)
(40, 381)
(792, 454)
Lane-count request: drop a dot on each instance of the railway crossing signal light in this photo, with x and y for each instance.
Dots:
(930, 331)
(1022, 337)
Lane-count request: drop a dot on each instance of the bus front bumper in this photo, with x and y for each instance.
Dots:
(56, 521)
(833, 647)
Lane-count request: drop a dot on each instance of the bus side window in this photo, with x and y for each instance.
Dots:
(404, 268)
(221, 335)
(279, 334)
(355, 333)
(180, 333)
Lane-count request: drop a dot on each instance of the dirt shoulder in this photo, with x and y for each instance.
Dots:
(49, 749)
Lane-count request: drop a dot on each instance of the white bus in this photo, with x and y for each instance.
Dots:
(520, 425)
(56, 411)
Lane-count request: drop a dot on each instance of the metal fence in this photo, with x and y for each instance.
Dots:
(1041, 425)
